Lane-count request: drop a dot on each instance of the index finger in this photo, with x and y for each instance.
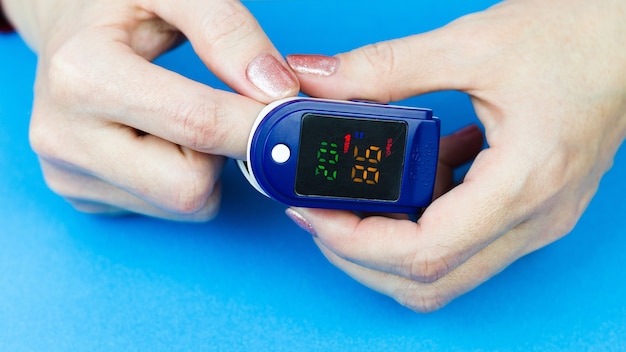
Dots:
(130, 91)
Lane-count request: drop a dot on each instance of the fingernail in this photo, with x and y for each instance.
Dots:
(301, 221)
(319, 65)
(272, 77)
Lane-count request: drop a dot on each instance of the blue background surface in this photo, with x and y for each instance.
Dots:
(251, 279)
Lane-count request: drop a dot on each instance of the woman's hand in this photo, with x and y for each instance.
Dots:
(116, 133)
(548, 82)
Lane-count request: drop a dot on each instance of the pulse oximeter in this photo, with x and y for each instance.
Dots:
(349, 155)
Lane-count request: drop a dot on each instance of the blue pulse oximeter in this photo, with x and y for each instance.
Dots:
(349, 155)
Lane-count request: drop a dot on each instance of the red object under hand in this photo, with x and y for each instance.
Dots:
(5, 26)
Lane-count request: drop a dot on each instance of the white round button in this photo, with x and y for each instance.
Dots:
(281, 153)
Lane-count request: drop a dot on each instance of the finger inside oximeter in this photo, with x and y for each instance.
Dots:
(344, 155)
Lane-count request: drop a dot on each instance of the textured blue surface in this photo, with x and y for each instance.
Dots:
(251, 280)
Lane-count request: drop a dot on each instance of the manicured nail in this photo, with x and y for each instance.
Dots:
(272, 77)
(301, 221)
(319, 65)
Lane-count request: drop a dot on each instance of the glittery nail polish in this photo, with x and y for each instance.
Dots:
(319, 65)
(271, 77)
(301, 221)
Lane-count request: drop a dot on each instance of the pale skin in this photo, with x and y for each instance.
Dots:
(547, 79)
(115, 133)
(548, 82)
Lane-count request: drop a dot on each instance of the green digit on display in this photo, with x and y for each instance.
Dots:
(334, 155)
(327, 154)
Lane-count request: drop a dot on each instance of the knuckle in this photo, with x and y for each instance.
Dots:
(190, 199)
(381, 56)
(382, 59)
(39, 136)
(428, 266)
(199, 126)
(209, 210)
(61, 180)
(190, 192)
(229, 25)
(65, 78)
(58, 186)
(569, 221)
(423, 300)
(561, 216)
(45, 140)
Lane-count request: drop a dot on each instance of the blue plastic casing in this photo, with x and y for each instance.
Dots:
(280, 123)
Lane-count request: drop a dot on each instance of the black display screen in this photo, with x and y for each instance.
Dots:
(350, 158)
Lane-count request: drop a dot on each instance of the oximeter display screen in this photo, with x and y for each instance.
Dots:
(350, 158)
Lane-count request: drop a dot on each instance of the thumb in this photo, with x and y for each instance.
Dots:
(387, 71)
